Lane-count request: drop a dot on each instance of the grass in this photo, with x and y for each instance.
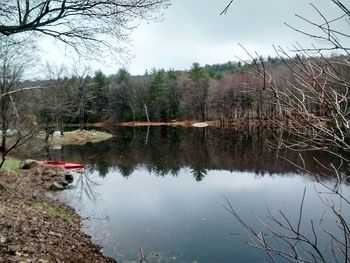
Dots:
(56, 212)
(11, 164)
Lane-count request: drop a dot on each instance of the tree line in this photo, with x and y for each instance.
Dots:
(225, 92)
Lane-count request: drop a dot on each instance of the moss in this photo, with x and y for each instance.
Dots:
(55, 212)
(12, 164)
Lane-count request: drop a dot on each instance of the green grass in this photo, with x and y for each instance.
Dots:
(12, 164)
(56, 212)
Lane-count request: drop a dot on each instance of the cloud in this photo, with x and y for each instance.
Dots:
(193, 30)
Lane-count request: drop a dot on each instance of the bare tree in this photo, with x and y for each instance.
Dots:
(76, 23)
(315, 107)
(297, 240)
(56, 97)
(14, 122)
(316, 101)
(81, 92)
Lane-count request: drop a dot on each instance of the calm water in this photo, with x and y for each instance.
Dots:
(163, 190)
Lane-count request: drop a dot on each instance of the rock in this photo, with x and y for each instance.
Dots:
(64, 183)
(57, 134)
(2, 239)
(53, 172)
(55, 186)
(47, 171)
(29, 164)
(69, 178)
(55, 234)
(13, 248)
(60, 178)
(56, 147)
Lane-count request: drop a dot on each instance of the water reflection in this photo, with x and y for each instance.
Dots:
(180, 220)
(85, 185)
(162, 189)
(164, 150)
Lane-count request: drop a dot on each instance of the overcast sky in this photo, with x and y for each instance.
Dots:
(193, 31)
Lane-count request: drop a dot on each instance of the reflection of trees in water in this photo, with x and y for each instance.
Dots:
(175, 170)
(84, 186)
(158, 160)
(198, 173)
(54, 153)
(125, 170)
(102, 167)
(168, 149)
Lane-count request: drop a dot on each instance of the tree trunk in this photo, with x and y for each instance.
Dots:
(4, 124)
(60, 123)
(146, 111)
(133, 111)
(260, 106)
(3, 141)
(81, 116)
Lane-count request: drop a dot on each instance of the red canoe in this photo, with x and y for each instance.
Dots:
(61, 164)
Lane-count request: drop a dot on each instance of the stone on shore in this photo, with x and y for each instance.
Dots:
(29, 164)
(56, 186)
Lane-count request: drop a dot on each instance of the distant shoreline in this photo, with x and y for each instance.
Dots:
(140, 123)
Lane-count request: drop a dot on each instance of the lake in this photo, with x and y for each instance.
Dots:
(163, 190)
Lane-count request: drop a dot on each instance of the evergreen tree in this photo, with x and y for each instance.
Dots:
(173, 95)
(100, 88)
(200, 83)
(157, 101)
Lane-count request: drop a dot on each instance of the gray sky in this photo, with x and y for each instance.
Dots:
(193, 31)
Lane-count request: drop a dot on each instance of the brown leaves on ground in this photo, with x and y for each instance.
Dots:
(34, 228)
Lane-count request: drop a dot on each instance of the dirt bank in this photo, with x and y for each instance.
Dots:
(35, 228)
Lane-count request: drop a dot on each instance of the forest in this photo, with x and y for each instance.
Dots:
(227, 92)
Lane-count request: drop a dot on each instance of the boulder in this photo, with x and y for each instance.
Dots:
(64, 183)
(48, 171)
(55, 186)
(60, 178)
(53, 171)
(69, 178)
(29, 164)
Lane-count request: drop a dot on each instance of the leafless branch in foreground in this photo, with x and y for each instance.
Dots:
(78, 24)
(284, 238)
(224, 11)
(314, 109)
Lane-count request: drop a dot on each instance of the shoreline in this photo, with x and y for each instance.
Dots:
(234, 124)
(77, 137)
(214, 123)
(36, 228)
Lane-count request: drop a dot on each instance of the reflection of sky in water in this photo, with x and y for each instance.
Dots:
(177, 219)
